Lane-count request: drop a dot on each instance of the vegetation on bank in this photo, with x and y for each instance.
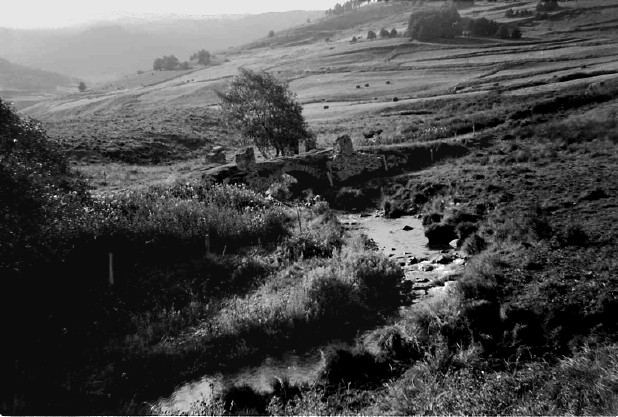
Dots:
(197, 268)
(529, 329)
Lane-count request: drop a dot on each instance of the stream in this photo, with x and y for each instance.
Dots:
(427, 273)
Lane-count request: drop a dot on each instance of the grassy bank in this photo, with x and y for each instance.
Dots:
(202, 275)
(530, 327)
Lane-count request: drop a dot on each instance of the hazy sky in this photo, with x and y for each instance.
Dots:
(59, 13)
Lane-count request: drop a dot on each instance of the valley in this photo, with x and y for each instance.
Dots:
(479, 280)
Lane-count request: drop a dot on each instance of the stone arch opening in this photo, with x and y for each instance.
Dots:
(307, 181)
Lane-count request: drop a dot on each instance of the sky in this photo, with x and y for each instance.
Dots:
(29, 14)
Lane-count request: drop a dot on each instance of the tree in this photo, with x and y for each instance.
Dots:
(426, 25)
(184, 66)
(157, 64)
(503, 32)
(516, 33)
(271, 34)
(170, 63)
(264, 109)
(371, 35)
(394, 33)
(384, 34)
(81, 86)
(202, 56)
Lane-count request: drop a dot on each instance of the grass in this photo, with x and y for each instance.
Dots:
(258, 284)
(528, 329)
(525, 330)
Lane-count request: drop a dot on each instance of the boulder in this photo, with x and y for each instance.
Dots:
(245, 159)
(343, 146)
(216, 156)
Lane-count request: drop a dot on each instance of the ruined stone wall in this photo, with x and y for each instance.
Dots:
(334, 167)
(344, 167)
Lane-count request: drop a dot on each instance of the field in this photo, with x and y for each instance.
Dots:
(527, 326)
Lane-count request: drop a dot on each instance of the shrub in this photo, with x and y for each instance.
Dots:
(350, 199)
(440, 234)
(474, 244)
(394, 33)
(516, 33)
(483, 27)
(371, 35)
(573, 235)
(547, 6)
(328, 295)
(384, 34)
(503, 32)
(378, 280)
(465, 229)
(309, 245)
(392, 208)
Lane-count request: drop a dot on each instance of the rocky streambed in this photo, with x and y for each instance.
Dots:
(428, 273)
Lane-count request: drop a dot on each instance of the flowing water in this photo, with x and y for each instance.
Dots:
(403, 240)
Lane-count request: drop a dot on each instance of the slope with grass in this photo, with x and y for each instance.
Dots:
(528, 328)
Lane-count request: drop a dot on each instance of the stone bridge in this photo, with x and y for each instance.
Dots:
(335, 167)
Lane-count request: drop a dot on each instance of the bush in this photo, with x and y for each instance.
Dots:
(384, 34)
(352, 199)
(474, 244)
(503, 32)
(378, 280)
(516, 33)
(440, 234)
(371, 35)
(328, 295)
(483, 27)
(547, 6)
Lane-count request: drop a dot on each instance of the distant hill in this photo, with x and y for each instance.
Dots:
(107, 50)
(20, 79)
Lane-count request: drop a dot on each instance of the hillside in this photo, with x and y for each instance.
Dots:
(459, 261)
(126, 45)
(133, 117)
(24, 85)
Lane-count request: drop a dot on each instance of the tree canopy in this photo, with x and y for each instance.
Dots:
(167, 63)
(265, 111)
(425, 25)
(202, 56)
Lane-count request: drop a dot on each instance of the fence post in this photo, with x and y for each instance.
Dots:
(207, 243)
(111, 268)
(330, 178)
(385, 163)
